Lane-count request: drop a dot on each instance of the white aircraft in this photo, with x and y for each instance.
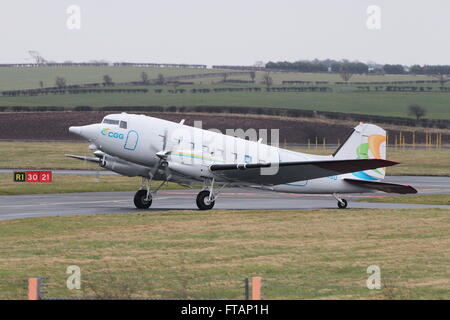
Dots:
(159, 150)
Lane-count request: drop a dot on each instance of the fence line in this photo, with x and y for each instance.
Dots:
(256, 288)
(36, 285)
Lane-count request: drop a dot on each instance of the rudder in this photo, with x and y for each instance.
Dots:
(366, 141)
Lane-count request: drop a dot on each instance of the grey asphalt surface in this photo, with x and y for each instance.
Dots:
(26, 206)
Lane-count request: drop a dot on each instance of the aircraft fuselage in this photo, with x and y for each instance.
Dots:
(136, 139)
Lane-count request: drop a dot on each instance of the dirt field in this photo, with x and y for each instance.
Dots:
(46, 126)
(54, 125)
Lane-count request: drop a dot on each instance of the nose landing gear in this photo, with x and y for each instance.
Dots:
(342, 203)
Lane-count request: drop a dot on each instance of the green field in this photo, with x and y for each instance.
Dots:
(12, 78)
(382, 103)
(44, 155)
(437, 199)
(50, 155)
(27, 78)
(317, 254)
(74, 183)
(342, 99)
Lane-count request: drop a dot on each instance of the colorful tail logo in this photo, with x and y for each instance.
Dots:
(362, 152)
(375, 141)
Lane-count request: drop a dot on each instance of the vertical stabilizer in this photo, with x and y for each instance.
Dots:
(367, 141)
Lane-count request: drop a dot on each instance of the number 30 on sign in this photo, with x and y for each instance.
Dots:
(33, 176)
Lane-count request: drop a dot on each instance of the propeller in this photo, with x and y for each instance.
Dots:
(102, 163)
(165, 139)
(162, 163)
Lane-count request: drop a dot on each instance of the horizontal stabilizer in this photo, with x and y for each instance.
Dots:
(90, 159)
(383, 186)
(294, 171)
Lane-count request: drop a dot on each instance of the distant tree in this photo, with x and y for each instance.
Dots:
(107, 80)
(300, 66)
(144, 77)
(345, 75)
(416, 69)
(442, 79)
(161, 79)
(417, 111)
(345, 69)
(320, 66)
(393, 69)
(436, 69)
(60, 82)
(252, 75)
(267, 80)
(349, 67)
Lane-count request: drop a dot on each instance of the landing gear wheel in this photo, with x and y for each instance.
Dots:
(203, 202)
(140, 200)
(343, 204)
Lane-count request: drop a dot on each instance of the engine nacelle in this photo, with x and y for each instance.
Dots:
(124, 168)
(195, 171)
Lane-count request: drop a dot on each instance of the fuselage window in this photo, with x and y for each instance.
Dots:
(123, 124)
(110, 121)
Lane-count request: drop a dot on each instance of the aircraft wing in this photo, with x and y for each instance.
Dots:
(383, 186)
(294, 171)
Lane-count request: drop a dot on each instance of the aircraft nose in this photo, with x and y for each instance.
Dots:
(89, 132)
(76, 130)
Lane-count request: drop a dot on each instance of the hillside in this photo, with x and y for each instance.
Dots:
(364, 94)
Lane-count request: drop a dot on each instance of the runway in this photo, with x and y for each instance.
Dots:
(26, 206)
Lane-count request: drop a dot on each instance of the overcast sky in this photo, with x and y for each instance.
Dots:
(226, 31)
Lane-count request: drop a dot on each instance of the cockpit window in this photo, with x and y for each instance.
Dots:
(110, 121)
(123, 124)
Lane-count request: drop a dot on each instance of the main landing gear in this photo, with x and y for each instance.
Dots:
(342, 203)
(143, 197)
(205, 200)
(142, 200)
(207, 197)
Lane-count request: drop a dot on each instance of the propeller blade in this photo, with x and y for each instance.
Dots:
(155, 168)
(165, 139)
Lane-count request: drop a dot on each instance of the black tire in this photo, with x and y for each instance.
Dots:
(139, 200)
(342, 205)
(202, 201)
